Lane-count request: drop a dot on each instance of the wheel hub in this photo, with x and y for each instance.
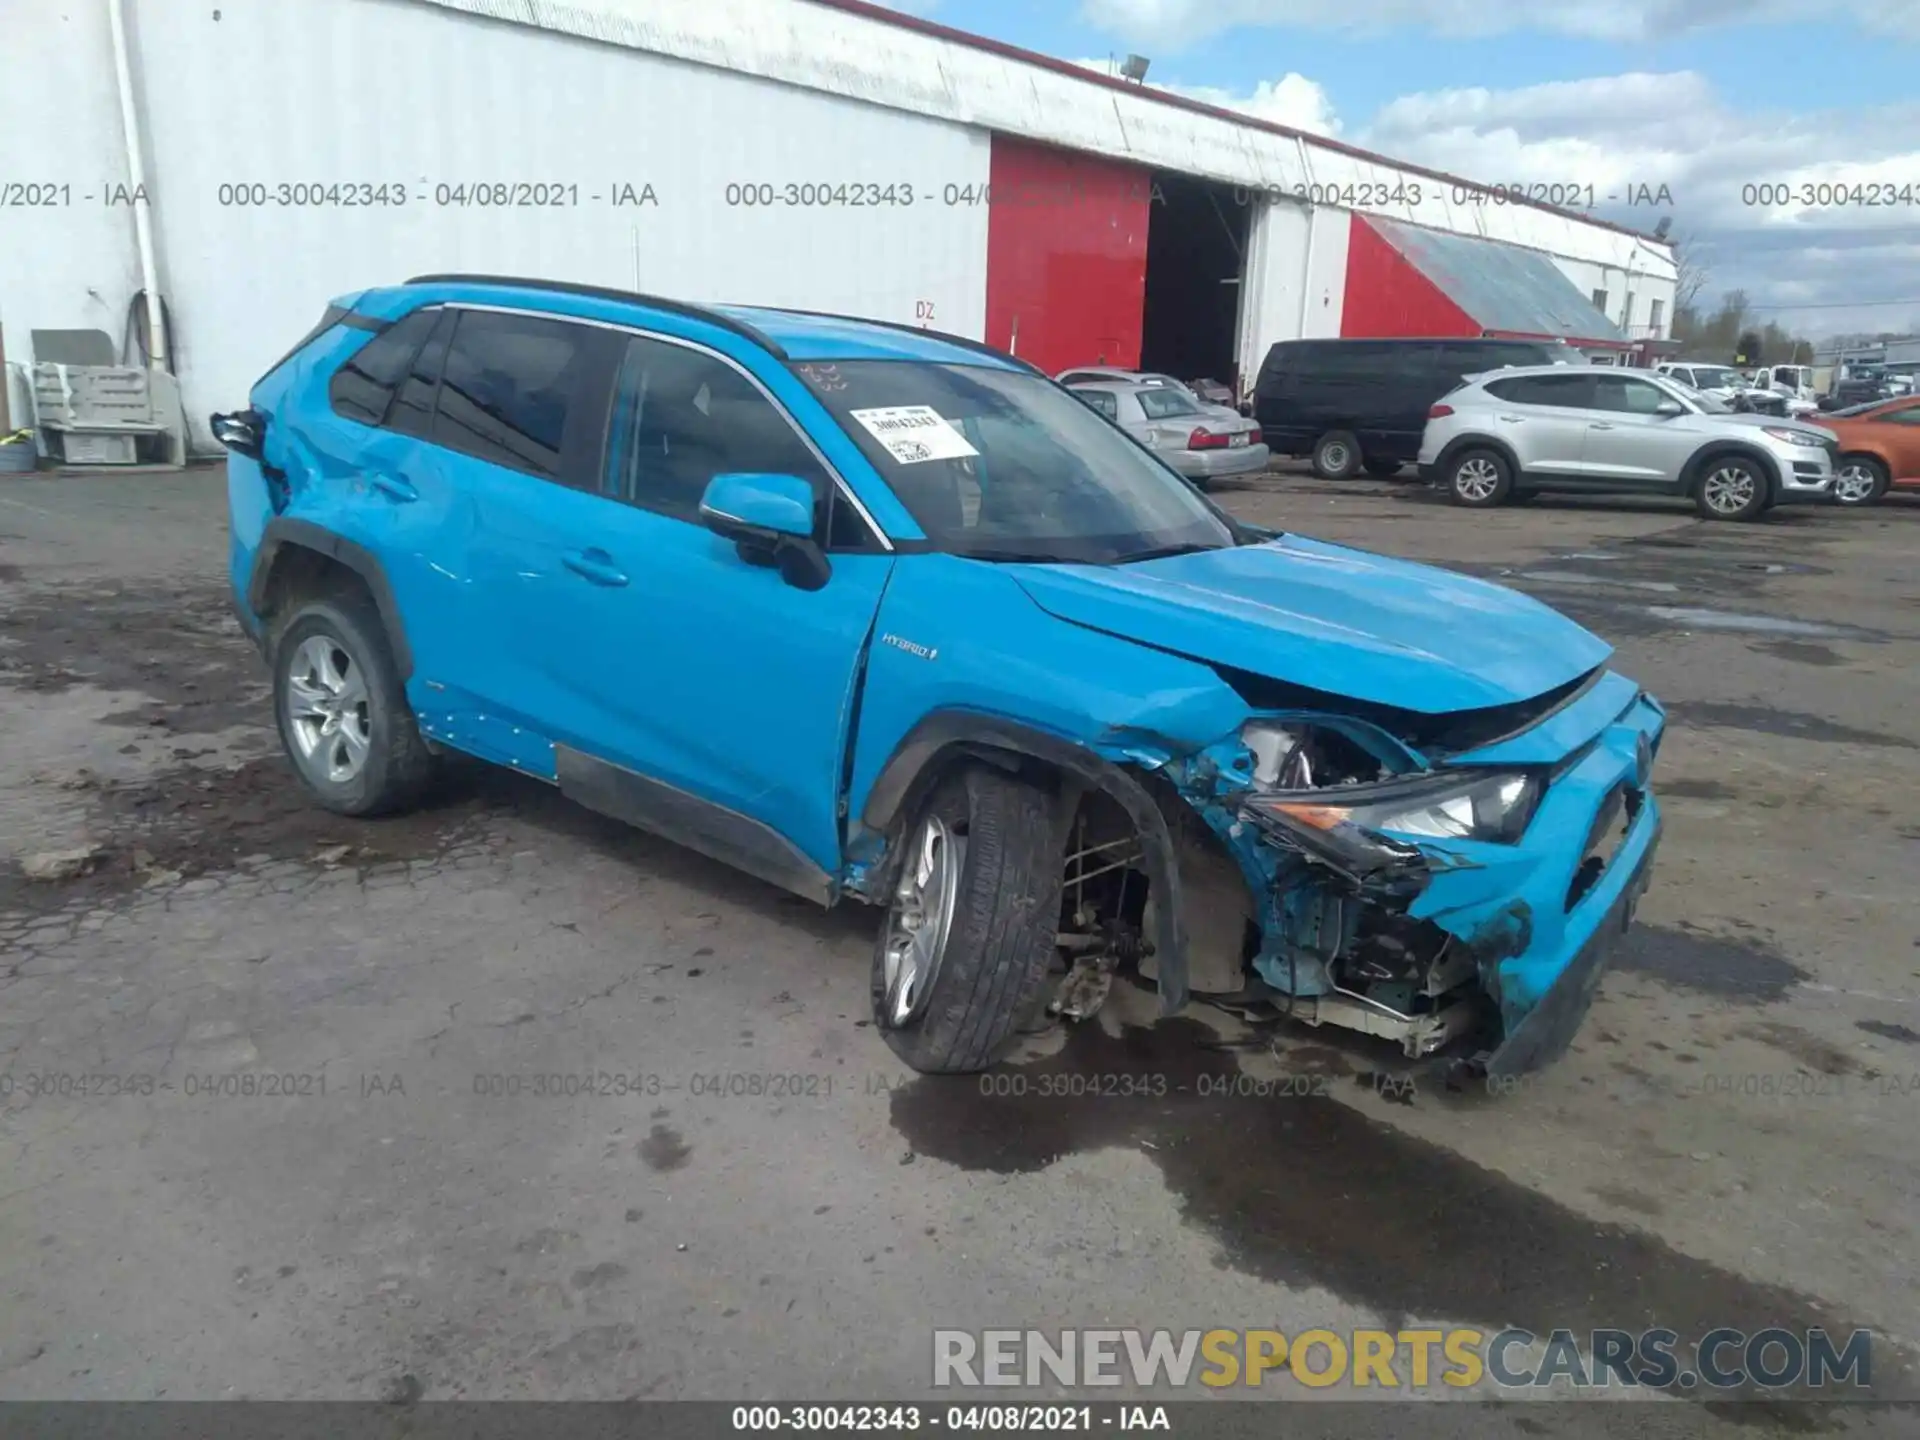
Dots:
(920, 920)
(328, 711)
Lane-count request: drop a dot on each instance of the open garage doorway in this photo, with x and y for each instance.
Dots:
(1196, 257)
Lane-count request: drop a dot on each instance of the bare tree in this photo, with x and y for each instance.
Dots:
(1691, 272)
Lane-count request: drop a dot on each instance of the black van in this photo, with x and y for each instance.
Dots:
(1350, 403)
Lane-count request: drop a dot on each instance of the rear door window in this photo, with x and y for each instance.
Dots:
(1567, 392)
(1103, 401)
(510, 385)
(362, 388)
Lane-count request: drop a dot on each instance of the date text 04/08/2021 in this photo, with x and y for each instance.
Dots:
(962, 1419)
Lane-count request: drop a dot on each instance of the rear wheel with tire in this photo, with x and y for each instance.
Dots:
(1384, 469)
(1732, 489)
(1336, 455)
(968, 940)
(1479, 479)
(1860, 480)
(342, 710)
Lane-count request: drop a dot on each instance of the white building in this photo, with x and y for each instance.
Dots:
(825, 154)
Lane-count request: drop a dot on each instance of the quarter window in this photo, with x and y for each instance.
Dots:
(412, 409)
(362, 388)
(509, 383)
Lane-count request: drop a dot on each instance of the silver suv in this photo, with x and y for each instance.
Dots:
(1599, 429)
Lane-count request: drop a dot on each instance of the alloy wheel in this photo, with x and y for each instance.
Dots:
(328, 710)
(1476, 479)
(1729, 490)
(1853, 483)
(921, 919)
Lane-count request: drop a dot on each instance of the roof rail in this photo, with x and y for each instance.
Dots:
(961, 341)
(631, 297)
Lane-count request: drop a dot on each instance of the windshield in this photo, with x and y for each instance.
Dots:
(1699, 400)
(1709, 377)
(1003, 465)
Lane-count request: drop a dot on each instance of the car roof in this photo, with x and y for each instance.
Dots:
(811, 335)
(1508, 371)
(1126, 387)
(788, 334)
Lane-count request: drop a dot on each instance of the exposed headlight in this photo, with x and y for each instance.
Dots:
(1794, 437)
(1495, 806)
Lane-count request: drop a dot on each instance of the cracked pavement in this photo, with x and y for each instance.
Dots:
(503, 1100)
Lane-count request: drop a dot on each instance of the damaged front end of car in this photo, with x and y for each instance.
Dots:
(1449, 883)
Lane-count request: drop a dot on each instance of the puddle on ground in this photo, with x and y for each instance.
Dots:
(1765, 720)
(1801, 652)
(1703, 619)
(1710, 964)
(1304, 1191)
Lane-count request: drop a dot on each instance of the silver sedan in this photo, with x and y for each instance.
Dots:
(1199, 442)
(1103, 374)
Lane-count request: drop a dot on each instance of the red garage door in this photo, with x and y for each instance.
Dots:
(1066, 256)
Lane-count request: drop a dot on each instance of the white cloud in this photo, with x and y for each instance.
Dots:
(1171, 24)
(1775, 204)
(1292, 100)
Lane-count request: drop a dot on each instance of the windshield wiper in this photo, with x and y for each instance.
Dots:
(1166, 552)
(1022, 557)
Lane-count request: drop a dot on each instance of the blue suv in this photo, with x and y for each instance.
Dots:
(883, 614)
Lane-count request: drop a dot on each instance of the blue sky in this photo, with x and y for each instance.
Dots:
(1704, 96)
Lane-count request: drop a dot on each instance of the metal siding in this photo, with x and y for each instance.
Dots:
(889, 63)
(1387, 295)
(1497, 287)
(1296, 278)
(71, 266)
(399, 92)
(1066, 256)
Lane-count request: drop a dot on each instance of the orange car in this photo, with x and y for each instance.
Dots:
(1879, 449)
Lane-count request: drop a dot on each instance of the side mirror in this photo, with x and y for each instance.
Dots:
(239, 432)
(770, 519)
(1669, 408)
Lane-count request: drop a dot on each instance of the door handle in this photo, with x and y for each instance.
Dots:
(1512, 419)
(594, 565)
(1600, 425)
(393, 487)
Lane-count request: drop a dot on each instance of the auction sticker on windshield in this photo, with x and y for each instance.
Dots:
(914, 433)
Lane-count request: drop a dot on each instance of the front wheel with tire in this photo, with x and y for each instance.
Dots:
(1479, 479)
(1336, 455)
(342, 710)
(968, 940)
(1860, 480)
(1732, 489)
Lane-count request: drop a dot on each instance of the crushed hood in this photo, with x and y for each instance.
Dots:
(1331, 618)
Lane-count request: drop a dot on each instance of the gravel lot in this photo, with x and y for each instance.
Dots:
(1731, 1142)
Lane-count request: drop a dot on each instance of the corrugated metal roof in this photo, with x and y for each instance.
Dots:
(1503, 287)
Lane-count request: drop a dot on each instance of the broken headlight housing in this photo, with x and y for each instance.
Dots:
(1491, 806)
